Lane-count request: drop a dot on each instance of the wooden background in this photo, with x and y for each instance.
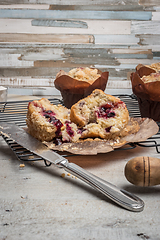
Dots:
(40, 37)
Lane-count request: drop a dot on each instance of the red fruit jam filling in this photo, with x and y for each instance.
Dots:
(69, 129)
(49, 115)
(57, 141)
(106, 110)
(108, 129)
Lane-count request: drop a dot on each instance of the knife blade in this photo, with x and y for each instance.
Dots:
(123, 198)
(24, 139)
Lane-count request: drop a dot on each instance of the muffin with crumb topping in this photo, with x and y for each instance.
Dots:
(79, 83)
(100, 115)
(146, 86)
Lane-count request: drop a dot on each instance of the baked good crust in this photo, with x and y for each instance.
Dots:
(46, 121)
(38, 126)
(87, 113)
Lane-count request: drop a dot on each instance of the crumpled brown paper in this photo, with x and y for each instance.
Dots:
(148, 128)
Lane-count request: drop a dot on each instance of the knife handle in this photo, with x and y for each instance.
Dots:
(119, 196)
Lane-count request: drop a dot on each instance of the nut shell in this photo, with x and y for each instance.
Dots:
(143, 171)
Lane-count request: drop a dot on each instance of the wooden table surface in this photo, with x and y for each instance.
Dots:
(39, 202)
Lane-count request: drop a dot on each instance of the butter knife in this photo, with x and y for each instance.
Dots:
(121, 197)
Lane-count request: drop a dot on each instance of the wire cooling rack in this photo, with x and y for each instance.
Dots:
(15, 112)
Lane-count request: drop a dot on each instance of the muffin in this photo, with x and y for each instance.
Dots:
(79, 83)
(146, 86)
(46, 121)
(100, 115)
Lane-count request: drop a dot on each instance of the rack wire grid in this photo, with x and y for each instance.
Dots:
(16, 111)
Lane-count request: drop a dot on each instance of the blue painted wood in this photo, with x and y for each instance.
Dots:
(59, 23)
(51, 14)
(116, 39)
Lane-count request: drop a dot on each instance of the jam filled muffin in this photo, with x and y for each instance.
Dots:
(46, 121)
(146, 86)
(100, 114)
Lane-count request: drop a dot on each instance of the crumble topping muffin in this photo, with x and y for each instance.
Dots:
(146, 86)
(46, 121)
(100, 114)
(79, 83)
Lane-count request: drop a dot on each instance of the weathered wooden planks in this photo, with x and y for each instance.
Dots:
(149, 39)
(38, 38)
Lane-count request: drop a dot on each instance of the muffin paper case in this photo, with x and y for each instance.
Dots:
(144, 70)
(72, 90)
(148, 94)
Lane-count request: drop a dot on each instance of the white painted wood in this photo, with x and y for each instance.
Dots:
(121, 66)
(156, 16)
(11, 60)
(148, 46)
(138, 61)
(26, 81)
(116, 39)
(145, 27)
(149, 39)
(25, 6)
(48, 82)
(156, 8)
(94, 27)
(48, 54)
(123, 84)
(76, 2)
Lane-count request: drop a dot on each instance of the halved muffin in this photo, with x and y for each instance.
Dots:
(46, 121)
(100, 114)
